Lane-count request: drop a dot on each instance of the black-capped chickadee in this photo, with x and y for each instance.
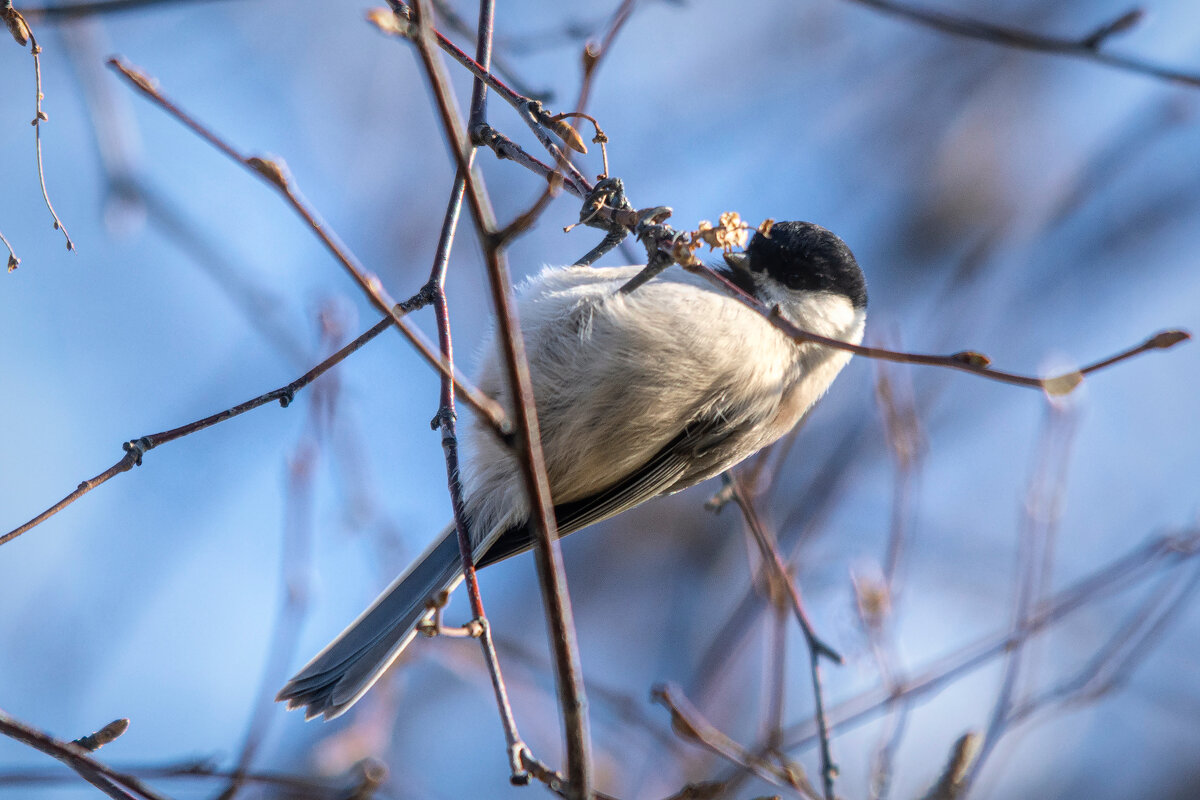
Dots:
(638, 395)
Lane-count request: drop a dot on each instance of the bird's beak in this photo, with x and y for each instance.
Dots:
(739, 262)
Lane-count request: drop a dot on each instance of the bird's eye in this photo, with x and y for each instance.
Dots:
(795, 280)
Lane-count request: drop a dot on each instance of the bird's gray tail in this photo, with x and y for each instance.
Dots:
(342, 672)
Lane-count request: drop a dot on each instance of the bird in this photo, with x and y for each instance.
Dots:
(638, 394)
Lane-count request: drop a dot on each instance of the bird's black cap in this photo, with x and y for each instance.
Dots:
(804, 256)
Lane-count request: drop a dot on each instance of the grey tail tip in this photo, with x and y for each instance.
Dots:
(315, 703)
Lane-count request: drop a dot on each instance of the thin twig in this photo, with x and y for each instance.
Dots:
(452, 21)
(447, 417)
(24, 35)
(136, 448)
(689, 723)
(779, 571)
(1086, 48)
(13, 261)
(275, 174)
(817, 502)
(572, 698)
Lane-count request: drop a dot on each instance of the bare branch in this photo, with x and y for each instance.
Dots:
(76, 756)
(136, 448)
(23, 35)
(1086, 48)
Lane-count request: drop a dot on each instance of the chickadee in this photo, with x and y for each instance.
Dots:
(638, 395)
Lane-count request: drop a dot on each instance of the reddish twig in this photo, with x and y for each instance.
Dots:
(535, 115)
(572, 699)
(967, 360)
(447, 417)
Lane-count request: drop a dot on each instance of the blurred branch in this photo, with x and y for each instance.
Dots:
(1086, 48)
(130, 198)
(295, 555)
(76, 756)
(1144, 562)
(952, 784)
(64, 11)
(593, 54)
(817, 649)
(274, 173)
(363, 778)
(1125, 649)
(689, 723)
(1035, 550)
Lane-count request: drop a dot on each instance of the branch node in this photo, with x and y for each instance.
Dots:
(445, 414)
(1122, 24)
(971, 359)
(138, 448)
(274, 170)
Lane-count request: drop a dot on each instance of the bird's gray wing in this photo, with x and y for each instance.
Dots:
(662, 474)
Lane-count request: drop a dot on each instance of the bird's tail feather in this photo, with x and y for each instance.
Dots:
(341, 673)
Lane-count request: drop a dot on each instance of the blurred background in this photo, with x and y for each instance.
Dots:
(1039, 209)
